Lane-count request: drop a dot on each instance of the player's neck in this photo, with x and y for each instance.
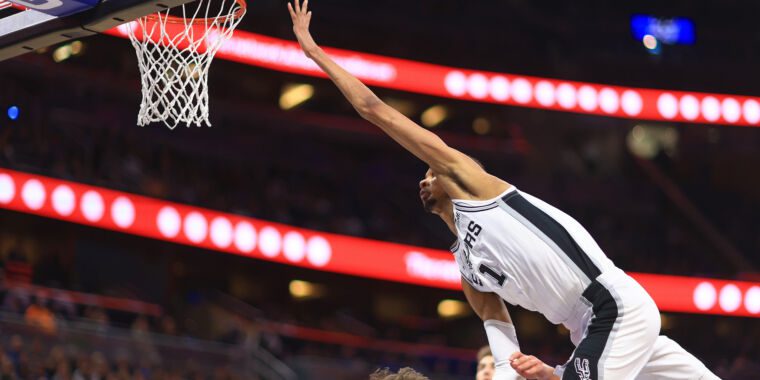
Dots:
(447, 215)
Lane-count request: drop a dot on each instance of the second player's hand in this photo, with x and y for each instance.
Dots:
(301, 17)
(530, 367)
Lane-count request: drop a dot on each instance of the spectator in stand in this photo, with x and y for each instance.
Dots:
(15, 352)
(38, 315)
(17, 268)
(168, 326)
(403, 374)
(63, 306)
(98, 317)
(486, 365)
(141, 328)
(7, 371)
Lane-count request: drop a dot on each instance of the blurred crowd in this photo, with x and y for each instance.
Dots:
(341, 342)
(30, 359)
(316, 171)
(365, 188)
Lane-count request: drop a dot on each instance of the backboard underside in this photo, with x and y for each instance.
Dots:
(48, 22)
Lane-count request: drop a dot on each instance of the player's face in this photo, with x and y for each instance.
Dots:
(431, 192)
(485, 368)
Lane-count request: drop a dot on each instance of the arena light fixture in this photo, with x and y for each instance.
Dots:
(434, 116)
(650, 42)
(452, 309)
(62, 53)
(294, 95)
(407, 108)
(13, 112)
(481, 126)
(304, 290)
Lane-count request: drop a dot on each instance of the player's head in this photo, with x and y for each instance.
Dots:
(486, 365)
(433, 196)
(402, 374)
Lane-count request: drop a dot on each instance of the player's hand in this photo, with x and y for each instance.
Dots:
(530, 367)
(301, 17)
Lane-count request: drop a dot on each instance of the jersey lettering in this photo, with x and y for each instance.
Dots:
(469, 240)
(474, 228)
(471, 237)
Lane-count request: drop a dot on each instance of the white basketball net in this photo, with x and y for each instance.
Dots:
(175, 54)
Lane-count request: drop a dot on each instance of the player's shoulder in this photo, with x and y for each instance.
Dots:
(483, 204)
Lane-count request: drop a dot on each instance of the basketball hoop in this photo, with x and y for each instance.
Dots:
(174, 54)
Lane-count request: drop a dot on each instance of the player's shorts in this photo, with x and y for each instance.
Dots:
(619, 338)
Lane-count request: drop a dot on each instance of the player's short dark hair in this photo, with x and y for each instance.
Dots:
(402, 374)
(483, 352)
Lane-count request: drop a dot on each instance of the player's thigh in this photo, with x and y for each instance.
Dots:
(632, 344)
(670, 361)
(623, 352)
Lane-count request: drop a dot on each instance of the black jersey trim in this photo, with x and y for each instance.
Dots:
(487, 207)
(554, 231)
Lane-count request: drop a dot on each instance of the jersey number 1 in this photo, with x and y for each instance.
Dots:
(499, 277)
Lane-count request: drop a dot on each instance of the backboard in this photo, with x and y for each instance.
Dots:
(28, 25)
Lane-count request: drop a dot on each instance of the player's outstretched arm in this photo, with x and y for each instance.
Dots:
(424, 144)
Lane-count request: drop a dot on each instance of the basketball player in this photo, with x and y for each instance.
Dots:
(486, 365)
(402, 374)
(513, 246)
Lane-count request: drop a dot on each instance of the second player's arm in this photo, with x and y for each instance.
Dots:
(500, 331)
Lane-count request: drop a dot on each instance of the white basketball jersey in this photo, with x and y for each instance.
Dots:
(526, 251)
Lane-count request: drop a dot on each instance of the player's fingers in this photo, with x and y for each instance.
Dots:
(515, 355)
(521, 363)
(297, 4)
(290, 10)
(305, 7)
(534, 370)
(527, 363)
(516, 361)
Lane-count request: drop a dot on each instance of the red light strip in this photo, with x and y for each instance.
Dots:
(113, 303)
(203, 228)
(491, 87)
(358, 341)
(499, 88)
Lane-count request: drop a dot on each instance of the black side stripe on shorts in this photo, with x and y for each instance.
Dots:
(584, 364)
(554, 231)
